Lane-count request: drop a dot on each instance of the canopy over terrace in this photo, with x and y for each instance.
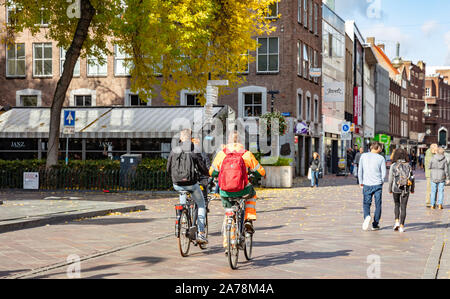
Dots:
(27, 128)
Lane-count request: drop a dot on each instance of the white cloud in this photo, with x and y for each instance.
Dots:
(390, 35)
(429, 27)
(447, 43)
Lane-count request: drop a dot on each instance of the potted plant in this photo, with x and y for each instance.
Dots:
(279, 172)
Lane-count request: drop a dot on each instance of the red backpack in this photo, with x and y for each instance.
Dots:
(233, 172)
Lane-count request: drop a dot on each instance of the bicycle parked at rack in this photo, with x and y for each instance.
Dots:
(186, 228)
(238, 238)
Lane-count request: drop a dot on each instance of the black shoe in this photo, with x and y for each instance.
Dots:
(249, 227)
(375, 227)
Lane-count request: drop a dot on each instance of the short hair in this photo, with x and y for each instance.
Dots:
(233, 137)
(376, 146)
(400, 154)
(440, 151)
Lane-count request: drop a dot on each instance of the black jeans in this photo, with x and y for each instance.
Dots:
(401, 201)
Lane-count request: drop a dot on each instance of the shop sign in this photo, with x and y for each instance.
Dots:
(301, 128)
(334, 92)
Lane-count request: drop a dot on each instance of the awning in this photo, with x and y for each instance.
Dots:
(103, 122)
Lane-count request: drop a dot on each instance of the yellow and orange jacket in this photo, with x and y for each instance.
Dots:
(251, 164)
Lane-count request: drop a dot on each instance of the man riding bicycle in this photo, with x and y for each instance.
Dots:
(232, 165)
(185, 167)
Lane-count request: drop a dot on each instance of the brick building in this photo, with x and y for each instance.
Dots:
(437, 98)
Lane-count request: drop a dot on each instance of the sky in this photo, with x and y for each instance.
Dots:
(421, 27)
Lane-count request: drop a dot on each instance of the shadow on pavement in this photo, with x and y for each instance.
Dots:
(290, 257)
(274, 243)
(110, 221)
(283, 209)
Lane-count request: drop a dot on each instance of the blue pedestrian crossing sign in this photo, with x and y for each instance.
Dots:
(69, 118)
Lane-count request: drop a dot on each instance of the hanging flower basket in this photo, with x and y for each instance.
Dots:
(269, 116)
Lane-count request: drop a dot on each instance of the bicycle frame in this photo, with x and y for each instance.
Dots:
(236, 213)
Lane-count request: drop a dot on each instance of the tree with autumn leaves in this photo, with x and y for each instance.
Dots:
(176, 44)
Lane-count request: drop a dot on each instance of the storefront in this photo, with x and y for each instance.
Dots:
(100, 133)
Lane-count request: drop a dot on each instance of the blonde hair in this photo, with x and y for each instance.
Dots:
(316, 155)
(185, 135)
(440, 151)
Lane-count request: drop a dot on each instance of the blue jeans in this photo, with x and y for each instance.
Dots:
(369, 192)
(197, 195)
(314, 178)
(437, 187)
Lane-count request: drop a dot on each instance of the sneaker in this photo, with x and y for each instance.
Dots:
(375, 227)
(201, 239)
(401, 229)
(433, 207)
(441, 207)
(396, 225)
(249, 227)
(366, 223)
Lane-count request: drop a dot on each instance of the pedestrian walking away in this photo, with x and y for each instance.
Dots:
(316, 170)
(371, 175)
(428, 156)
(401, 184)
(439, 176)
(356, 163)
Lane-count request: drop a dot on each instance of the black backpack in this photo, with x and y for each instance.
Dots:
(183, 169)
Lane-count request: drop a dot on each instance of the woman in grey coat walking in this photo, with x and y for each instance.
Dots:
(438, 175)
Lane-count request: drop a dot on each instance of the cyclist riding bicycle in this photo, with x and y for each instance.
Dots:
(185, 167)
(232, 165)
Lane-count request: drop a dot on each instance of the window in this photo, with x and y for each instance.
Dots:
(273, 10)
(300, 11)
(299, 58)
(11, 10)
(42, 60)
(192, 100)
(267, 55)
(427, 92)
(83, 100)
(305, 61)
(135, 100)
(95, 67)
(305, 13)
(121, 62)
(300, 106)
(44, 17)
(316, 64)
(15, 56)
(316, 110)
(29, 101)
(316, 18)
(308, 108)
(310, 20)
(252, 104)
(62, 60)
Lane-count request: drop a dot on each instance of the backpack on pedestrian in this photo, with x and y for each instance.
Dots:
(233, 172)
(402, 176)
(183, 169)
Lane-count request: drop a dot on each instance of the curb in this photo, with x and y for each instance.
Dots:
(54, 219)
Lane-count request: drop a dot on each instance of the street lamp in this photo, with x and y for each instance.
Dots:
(272, 93)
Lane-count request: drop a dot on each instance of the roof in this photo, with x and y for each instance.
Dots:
(102, 122)
(383, 58)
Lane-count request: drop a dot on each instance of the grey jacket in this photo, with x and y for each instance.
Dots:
(438, 169)
(393, 188)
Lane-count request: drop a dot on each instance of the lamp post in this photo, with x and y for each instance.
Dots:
(272, 93)
(426, 110)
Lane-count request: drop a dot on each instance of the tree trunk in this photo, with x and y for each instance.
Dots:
(72, 55)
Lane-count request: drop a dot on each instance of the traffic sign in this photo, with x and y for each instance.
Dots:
(69, 118)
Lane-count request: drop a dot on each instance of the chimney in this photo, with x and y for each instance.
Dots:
(371, 40)
(398, 49)
(381, 46)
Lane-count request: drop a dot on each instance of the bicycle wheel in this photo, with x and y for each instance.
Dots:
(233, 250)
(184, 241)
(248, 246)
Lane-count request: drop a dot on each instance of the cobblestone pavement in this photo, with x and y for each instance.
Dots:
(300, 233)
